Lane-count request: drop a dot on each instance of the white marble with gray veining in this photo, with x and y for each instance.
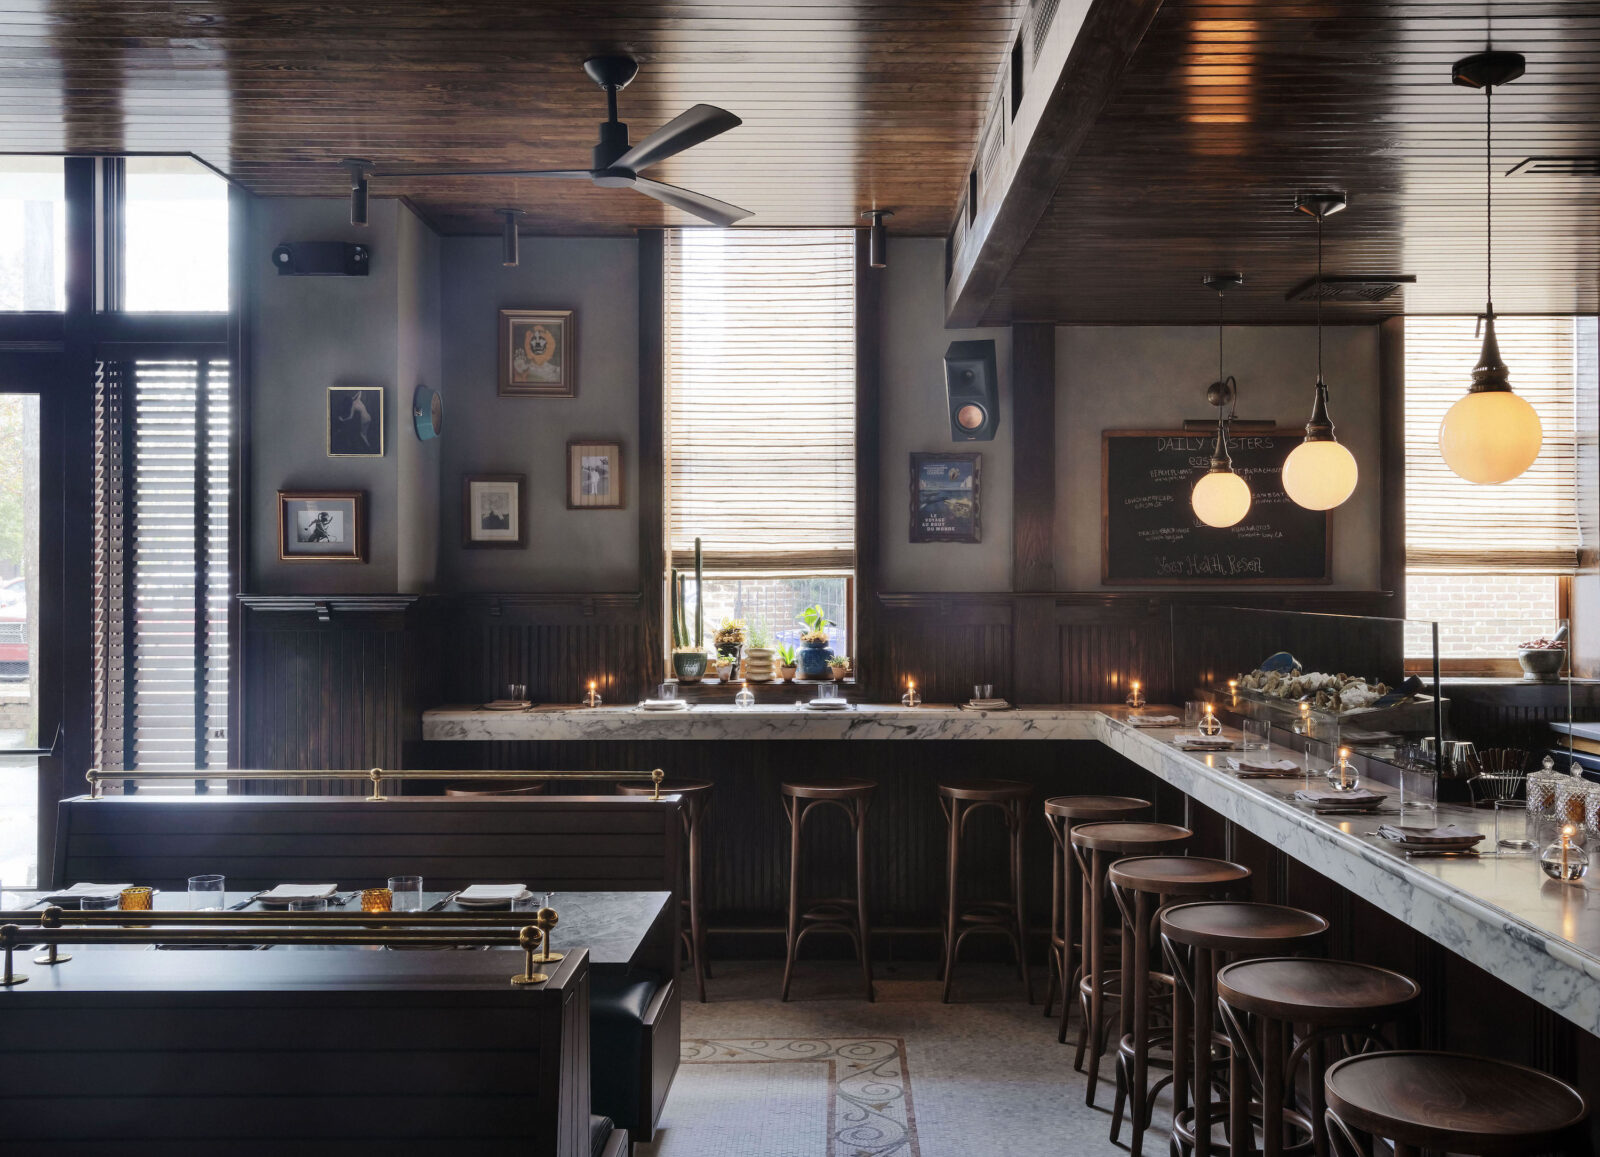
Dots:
(1499, 912)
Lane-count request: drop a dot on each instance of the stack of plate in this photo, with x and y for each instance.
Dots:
(988, 705)
(664, 705)
(508, 705)
(1448, 838)
(827, 705)
(1325, 799)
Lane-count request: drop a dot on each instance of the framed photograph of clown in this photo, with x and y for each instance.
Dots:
(538, 353)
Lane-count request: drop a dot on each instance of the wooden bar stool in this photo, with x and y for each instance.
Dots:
(1142, 887)
(696, 806)
(1103, 843)
(853, 797)
(959, 800)
(1337, 1001)
(1451, 1102)
(1197, 939)
(1067, 900)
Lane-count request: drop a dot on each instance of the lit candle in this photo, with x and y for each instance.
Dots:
(1566, 844)
(1344, 767)
(910, 698)
(1233, 691)
(592, 699)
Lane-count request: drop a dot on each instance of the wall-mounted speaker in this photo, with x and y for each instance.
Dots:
(972, 390)
(321, 259)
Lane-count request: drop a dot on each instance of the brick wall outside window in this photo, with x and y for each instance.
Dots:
(1480, 616)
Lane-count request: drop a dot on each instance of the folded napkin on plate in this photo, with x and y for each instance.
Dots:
(493, 892)
(1449, 833)
(665, 705)
(1195, 739)
(1152, 720)
(300, 892)
(79, 891)
(1361, 797)
(1247, 766)
(987, 704)
(508, 704)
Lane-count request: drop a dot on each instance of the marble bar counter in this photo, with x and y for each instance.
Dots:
(1496, 911)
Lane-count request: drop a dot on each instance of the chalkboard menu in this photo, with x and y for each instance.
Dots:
(1152, 536)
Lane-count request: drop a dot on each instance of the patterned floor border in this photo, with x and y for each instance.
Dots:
(869, 1101)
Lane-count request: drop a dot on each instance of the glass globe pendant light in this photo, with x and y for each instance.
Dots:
(1320, 474)
(1221, 498)
(1491, 435)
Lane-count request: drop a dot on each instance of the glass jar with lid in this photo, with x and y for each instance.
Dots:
(1573, 794)
(1541, 790)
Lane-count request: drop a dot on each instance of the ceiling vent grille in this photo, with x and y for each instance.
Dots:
(1041, 14)
(1359, 288)
(1556, 167)
(993, 141)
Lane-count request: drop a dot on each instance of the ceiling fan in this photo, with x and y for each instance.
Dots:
(616, 165)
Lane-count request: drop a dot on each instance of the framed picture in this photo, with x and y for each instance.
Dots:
(538, 353)
(945, 497)
(492, 511)
(355, 422)
(322, 525)
(594, 475)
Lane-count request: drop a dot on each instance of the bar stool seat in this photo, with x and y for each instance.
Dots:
(959, 799)
(1152, 881)
(1103, 843)
(847, 916)
(696, 805)
(1067, 902)
(1451, 1102)
(1214, 930)
(1332, 999)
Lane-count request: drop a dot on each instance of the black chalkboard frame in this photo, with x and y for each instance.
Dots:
(1293, 433)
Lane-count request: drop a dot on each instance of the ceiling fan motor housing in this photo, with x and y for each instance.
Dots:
(612, 144)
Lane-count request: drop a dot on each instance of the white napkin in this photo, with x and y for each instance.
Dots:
(487, 892)
(1195, 739)
(78, 891)
(507, 704)
(1151, 720)
(828, 704)
(982, 704)
(300, 892)
(665, 705)
(1447, 832)
(1325, 795)
(1248, 764)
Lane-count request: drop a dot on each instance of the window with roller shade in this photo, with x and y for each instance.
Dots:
(163, 428)
(1489, 562)
(759, 374)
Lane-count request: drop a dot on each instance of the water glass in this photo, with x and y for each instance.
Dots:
(205, 893)
(407, 893)
(1257, 734)
(377, 900)
(983, 690)
(667, 691)
(528, 903)
(309, 904)
(137, 899)
(1193, 709)
(516, 692)
(1512, 827)
(99, 903)
(828, 691)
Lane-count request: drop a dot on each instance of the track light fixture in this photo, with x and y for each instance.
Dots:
(1221, 497)
(359, 169)
(877, 237)
(508, 235)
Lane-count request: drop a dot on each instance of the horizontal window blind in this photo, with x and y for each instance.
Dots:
(161, 563)
(1529, 523)
(760, 397)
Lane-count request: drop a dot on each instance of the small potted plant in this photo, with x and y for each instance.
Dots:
(839, 667)
(786, 661)
(688, 660)
(730, 640)
(814, 652)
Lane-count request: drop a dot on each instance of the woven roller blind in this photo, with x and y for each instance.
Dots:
(760, 397)
(1529, 523)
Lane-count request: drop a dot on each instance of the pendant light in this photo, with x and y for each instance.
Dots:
(359, 168)
(877, 237)
(509, 254)
(1320, 473)
(1491, 435)
(1221, 498)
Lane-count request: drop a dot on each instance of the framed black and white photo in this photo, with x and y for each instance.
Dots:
(492, 511)
(355, 422)
(322, 525)
(594, 475)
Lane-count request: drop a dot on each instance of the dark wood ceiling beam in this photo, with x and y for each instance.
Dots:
(1082, 71)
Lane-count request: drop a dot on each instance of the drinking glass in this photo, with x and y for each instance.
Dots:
(667, 691)
(528, 903)
(205, 893)
(99, 903)
(1193, 709)
(516, 691)
(1511, 826)
(377, 900)
(407, 893)
(828, 691)
(309, 904)
(137, 899)
(1257, 734)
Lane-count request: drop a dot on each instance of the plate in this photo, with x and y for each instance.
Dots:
(503, 705)
(465, 903)
(826, 705)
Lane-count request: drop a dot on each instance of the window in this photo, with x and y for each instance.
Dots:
(760, 413)
(174, 236)
(33, 234)
(1481, 555)
(162, 437)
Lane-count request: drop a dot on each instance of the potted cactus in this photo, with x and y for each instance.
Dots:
(688, 660)
(814, 652)
(839, 667)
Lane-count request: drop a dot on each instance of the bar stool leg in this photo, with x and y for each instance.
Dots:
(1318, 1060)
(1272, 1090)
(1055, 957)
(1205, 1006)
(859, 819)
(1093, 933)
(1014, 816)
(1182, 1013)
(1239, 1128)
(952, 901)
(697, 935)
(792, 808)
(1143, 915)
(1085, 961)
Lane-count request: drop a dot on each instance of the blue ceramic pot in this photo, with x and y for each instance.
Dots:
(814, 661)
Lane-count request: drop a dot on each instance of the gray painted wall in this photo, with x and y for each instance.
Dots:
(417, 462)
(915, 417)
(1149, 377)
(568, 550)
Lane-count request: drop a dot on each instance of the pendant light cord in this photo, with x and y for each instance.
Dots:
(1319, 299)
(1488, 192)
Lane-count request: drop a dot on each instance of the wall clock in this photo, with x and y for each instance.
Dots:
(427, 411)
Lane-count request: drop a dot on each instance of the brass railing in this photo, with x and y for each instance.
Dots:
(97, 776)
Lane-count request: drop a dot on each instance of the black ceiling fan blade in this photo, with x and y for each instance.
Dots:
(702, 206)
(687, 129)
(565, 174)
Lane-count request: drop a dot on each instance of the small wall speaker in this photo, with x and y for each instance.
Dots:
(972, 390)
(321, 259)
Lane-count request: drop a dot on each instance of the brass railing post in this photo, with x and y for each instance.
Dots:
(51, 919)
(546, 919)
(10, 936)
(377, 795)
(656, 777)
(527, 938)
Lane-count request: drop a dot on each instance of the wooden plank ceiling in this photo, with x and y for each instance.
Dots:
(1231, 107)
(847, 105)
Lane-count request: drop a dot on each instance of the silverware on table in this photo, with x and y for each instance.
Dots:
(339, 901)
(246, 902)
(440, 904)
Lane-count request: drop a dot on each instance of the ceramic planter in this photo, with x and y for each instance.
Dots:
(689, 666)
(786, 672)
(814, 661)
